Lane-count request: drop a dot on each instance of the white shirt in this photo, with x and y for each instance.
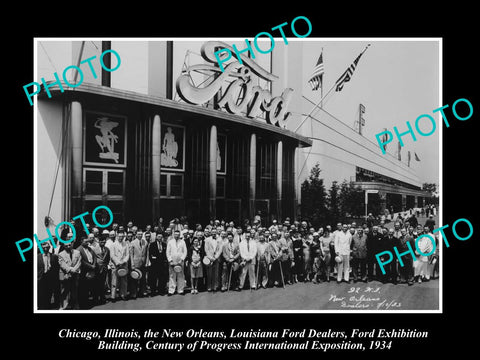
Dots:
(248, 249)
(176, 251)
(342, 242)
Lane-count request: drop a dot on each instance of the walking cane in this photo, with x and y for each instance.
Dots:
(249, 279)
(281, 272)
(230, 276)
(258, 271)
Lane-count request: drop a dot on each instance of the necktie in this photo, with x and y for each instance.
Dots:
(46, 260)
(248, 245)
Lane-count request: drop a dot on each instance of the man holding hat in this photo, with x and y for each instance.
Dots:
(248, 253)
(343, 240)
(138, 254)
(120, 255)
(176, 254)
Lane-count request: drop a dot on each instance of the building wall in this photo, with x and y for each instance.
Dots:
(339, 149)
(49, 131)
(133, 73)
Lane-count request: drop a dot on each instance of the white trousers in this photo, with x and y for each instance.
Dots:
(344, 267)
(176, 281)
(250, 268)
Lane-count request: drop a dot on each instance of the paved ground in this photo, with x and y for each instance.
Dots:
(300, 296)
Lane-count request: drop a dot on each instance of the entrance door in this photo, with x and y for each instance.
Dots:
(104, 187)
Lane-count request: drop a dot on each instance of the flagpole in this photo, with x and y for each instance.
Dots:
(323, 97)
(316, 106)
(321, 85)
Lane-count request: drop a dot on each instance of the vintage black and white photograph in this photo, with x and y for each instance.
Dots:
(236, 181)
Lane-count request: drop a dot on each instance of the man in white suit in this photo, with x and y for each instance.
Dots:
(176, 254)
(119, 254)
(138, 255)
(248, 254)
(69, 260)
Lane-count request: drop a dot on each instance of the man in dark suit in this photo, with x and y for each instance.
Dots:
(158, 272)
(389, 242)
(102, 254)
(374, 246)
(87, 272)
(47, 277)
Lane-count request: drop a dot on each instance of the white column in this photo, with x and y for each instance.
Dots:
(77, 153)
(156, 151)
(213, 172)
(279, 179)
(253, 174)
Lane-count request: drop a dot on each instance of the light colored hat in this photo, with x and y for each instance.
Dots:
(338, 259)
(177, 268)
(206, 260)
(122, 272)
(136, 274)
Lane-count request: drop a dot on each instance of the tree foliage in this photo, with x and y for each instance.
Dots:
(351, 199)
(313, 205)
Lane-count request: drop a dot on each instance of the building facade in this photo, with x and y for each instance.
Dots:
(168, 135)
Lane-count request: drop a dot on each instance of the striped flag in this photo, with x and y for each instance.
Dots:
(416, 156)
(317, 76)
(347, 75)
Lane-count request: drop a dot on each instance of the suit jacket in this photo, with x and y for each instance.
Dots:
(69, 265)
(103, 258)
(231, 250)
(138, 253)
(87, 267)
(157, 253)
(374, 245)
(54, 267)
(119, 253)
(248, 250)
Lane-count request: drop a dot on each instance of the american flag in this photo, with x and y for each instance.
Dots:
(347, 75)
(317, 75)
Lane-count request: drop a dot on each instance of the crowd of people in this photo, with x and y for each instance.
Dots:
(126, 262)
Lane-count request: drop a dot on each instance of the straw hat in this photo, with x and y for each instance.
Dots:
(122, 272)
(136, 274)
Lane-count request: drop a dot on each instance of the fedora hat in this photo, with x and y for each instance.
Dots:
(136, 274)
(122, 272)
(177, 268)
(206, 260)
(338, 259)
